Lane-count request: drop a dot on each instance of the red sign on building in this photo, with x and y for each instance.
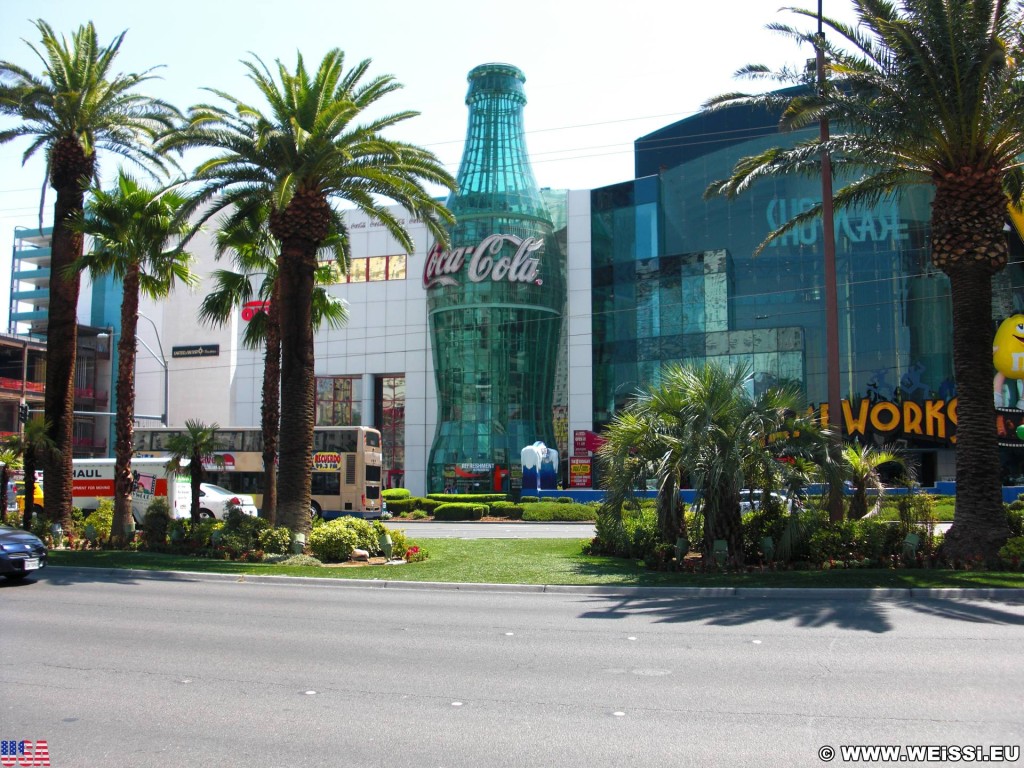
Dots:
(581, 473)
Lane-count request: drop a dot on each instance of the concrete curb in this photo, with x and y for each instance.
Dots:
(699, 593)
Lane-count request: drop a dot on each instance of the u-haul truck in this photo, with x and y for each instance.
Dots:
(93, 481)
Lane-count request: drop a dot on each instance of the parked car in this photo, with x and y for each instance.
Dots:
(21, 553)
(215, 501)
(751, 500)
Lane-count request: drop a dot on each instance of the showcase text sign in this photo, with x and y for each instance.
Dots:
(196, 350)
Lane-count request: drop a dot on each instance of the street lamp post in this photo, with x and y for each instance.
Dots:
(163, 364)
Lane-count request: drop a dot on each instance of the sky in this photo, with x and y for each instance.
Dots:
(599, 74)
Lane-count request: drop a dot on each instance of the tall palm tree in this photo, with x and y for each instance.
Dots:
(923, 92)
(303, 153)
(77, 106)
(255, 255)
(190, 448)
(136, 237)
(700, 423)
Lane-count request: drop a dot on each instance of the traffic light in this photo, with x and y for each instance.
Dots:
(23, 413)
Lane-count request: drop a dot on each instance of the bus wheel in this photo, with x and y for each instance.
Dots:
(314, 510)
(207, 514)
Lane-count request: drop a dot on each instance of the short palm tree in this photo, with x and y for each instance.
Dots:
(255, 254)
(190, 448)
(302, 151)
(699, 423)
(923, 92)
(79, 105)
(35, 447)
(136, 237)
(10, 458)
(861, 465)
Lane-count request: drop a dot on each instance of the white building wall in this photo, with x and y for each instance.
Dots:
(581, 359)
(205, 389)
(386, 334)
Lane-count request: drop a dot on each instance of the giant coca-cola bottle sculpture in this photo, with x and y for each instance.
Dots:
(494, 300)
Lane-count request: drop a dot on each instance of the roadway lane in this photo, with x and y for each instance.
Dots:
(418, 529)
(149, 673)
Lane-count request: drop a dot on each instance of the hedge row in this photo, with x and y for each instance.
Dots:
(459, 512)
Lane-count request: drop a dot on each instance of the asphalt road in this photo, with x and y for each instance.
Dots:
(480, 530)
(149, 672)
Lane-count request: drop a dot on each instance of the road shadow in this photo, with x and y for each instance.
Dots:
(858, 614)
(861, 615)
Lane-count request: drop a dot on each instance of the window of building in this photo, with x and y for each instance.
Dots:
(390, 419)
(378, 268)
(339, 401)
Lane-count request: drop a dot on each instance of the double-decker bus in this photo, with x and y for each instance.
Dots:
(346, 465)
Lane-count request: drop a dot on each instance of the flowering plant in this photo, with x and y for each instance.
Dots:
(415, 555)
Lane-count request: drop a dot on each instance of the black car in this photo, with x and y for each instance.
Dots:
(21, 553)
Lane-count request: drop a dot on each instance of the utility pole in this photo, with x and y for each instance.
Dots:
(835, 413)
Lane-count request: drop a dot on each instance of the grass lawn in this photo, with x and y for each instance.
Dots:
(544, 561)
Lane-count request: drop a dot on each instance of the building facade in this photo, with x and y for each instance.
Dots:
(654, 274)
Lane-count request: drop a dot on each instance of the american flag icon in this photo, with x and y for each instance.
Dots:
(24, 753)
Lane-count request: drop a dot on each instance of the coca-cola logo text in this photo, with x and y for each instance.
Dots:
(486, 261)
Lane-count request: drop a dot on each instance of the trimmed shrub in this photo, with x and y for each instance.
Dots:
(507, 509)
(333, 541)
(565, 500)
(1013, 551)
(401, 506)
(304, 560)
(275, 541)
(459, 512)
(529, 499)
(467, 498)
(101, 519)
(428, 505)
(1015, 519)
(399, 542)
(550, 511)
(156, 523)
(395, 494)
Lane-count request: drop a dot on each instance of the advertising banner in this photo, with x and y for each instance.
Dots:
(581, 473)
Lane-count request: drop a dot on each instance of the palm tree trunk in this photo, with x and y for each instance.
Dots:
(271, 412)
(29, 467)
(979, 523)
(62, 329)
(195, 471)
(125, 419)
(298, 382)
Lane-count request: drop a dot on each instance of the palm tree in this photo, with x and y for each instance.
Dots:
(78, 106)
(198, 443)
(35, 447)
(925, 92)
(699, 422)
(255, 255)
(10, 458)
(861, 465)
(136, 234)
(304, 153)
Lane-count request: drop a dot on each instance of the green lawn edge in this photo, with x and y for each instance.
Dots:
(546, 562)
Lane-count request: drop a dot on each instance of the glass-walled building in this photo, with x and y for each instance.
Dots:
(675, 279)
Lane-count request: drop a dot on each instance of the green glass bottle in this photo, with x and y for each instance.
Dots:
(494, 299)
